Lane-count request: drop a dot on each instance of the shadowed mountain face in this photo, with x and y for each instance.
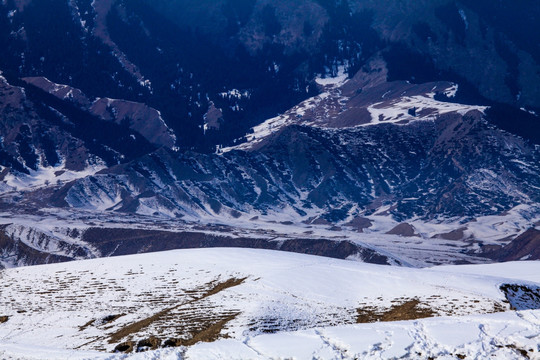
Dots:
(361, 147)
(253, 59)
(456, 166)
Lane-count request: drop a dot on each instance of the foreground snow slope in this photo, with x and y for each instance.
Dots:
(269, 305)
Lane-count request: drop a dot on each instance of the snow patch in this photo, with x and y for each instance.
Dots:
(419, 107)
(47, 176)
(339, 78)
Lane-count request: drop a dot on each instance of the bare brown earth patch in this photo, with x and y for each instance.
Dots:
(410, 310)
(88, 324)
(457, 234)
(403, 229)
(415, 308)
(210, 333)
(359, 223)
(212, 289)
(3, 319)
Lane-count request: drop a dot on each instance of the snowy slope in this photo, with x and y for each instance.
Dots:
(246, 299)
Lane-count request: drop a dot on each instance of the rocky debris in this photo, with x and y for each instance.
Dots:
(151, 343)
(110, 318)
(173, 343)
(522, 297)
(125, 347)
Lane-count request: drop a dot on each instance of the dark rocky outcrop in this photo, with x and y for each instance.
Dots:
(119, 241)
(403, 229)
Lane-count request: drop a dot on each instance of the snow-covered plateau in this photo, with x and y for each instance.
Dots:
(259, 304)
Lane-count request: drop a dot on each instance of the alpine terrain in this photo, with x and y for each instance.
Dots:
(269, 179)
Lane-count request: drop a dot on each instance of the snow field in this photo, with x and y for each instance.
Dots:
(284, 306)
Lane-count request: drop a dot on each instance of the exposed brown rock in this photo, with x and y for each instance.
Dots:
(86, 325)
(151, 343)
(60, 91)
(125, 347)
(403, 229)
(359, 223)
(524, 247)
(145, 120)
(457, 234)
(213, 117)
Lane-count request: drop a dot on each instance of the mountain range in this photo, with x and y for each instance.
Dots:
(416, 119)
(255, 179)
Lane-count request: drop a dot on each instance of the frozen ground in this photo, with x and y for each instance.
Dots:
(264, 304)
(51, 231)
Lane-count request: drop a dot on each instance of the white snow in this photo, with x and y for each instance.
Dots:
(452, 91)
(394, 110)
(464, 18)
(235, 94)
(338, 80)
(529, 111)
(426, 108)
(273, 125)
(49, 175)
(313, 299)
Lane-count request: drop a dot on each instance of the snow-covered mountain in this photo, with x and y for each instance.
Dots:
(365, 155)
(252, 59)
(234, 303)
(342, 159)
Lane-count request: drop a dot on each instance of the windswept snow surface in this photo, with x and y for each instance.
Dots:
(426, 108)
(45, 176)
(276, 305)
